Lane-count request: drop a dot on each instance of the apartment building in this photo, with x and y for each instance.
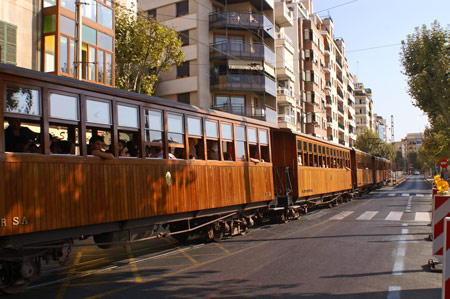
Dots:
(276, 61)
(290, 65)
(229, 50)
(364, 108)
(381, 127)
(41, 35)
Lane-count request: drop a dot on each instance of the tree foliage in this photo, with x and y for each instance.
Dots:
(368, 141)
(144, 49)
(425, 58)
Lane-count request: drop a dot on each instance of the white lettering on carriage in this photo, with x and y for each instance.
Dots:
(16, 221)
(2, 222)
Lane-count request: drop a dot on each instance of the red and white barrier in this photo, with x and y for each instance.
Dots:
(441, 209)
(433, 193)
(446, 269)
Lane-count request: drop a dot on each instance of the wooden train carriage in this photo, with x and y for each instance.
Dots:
(308, 166)
(363, 166)
(47, 195)
(379, 170)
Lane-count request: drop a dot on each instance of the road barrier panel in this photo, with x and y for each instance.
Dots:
(441, 209)
(446, 268)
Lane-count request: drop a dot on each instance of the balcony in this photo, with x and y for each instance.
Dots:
(342, 141)
(285, 95)
(339, 92)
(261, 112)
(341, 126)
(243, 82)
(329, 103)
(327, 67)
(283, 16)
(340, 78)
(287, 119)
(328, 85)
(259, 51)
(339, 62)
(330, 138)
(241, 20)
(341, 109)
(258, 4)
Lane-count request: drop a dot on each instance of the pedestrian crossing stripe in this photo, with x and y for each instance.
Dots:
(392, 216)
(391, 194)
(405, 194)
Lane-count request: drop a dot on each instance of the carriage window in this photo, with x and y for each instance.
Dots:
(64, 139)
(105, 134)
(153, 134)
(264, 145)
(127, 116)
(253, 145)
(212, 144)
(63, 107)
(27, 141)
(211, 129)
(175, 136)
(305, 146)
(98, 112)
(196, 145)
(22, 100)
(241, 151)
(310, 147)
(227, 142)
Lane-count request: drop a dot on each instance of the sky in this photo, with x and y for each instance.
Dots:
(367, 24)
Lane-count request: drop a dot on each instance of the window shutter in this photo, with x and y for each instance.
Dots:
(2, 42)
(8, 43)
(11, 43)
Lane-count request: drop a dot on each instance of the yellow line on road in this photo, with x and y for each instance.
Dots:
(133, 266)
(221, 247)
(63, 288)
(186, 255)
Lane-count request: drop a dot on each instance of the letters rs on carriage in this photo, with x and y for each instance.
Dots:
(14, 221)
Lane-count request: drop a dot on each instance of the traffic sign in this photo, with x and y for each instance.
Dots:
(444, 162)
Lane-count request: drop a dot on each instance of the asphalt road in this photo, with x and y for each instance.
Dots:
(372, 247)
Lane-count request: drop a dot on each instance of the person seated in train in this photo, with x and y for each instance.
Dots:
(32, 148)
(17, 137)
(179, 153)
(95, 148)
(254, 155)
(300, 160)
(192, 148)
(123, 149)
(213, 151)
(227, 156)
(132, 148)
(156, 152)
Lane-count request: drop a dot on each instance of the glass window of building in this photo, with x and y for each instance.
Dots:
(89, 9)
(105, 16)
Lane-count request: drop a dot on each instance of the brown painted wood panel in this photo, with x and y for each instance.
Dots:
(365, 177)
(315, 181)
(63, 193)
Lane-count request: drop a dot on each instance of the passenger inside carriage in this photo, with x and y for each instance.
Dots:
(155, 152)
(95, 148)
(17, 137)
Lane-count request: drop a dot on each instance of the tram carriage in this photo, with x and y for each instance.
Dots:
(243, 169)
(310, 170)
(47, 200)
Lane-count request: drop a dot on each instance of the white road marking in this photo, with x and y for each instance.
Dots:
(367, 215)
(394, 292)
(341, 215)
(391, 194)
(422, 216)
(419, 195)
(405, 194)
(398, 266)
(394, 216)
(401, 251)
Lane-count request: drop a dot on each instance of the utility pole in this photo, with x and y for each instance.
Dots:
(78, 37)
(392, 128)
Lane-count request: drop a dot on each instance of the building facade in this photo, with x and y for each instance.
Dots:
(272, 60)
(364, 112)
(41, 35)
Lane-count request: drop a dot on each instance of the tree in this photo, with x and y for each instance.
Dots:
(398, 160)
(425, 58)
(144, 49)
(413, 160)
(368, 141)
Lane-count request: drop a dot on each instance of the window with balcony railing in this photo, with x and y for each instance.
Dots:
(182, 8)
